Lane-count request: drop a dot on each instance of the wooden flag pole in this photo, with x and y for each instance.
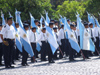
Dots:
(60, 51)
(97, 52)
(83, 55)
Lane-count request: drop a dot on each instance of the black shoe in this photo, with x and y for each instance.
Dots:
(2, 65)
(51, 61)
(88, 58)
(43, 60)
(56, 58)
(32, 61)
(37, 57)
(60, 57)
(71, 60)
(13, 63)
(11, 66)
(27, 64)
(7, 67)
(23, 64)
(17, 59)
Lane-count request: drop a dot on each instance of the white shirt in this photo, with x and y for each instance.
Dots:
(32, 37)
(96, 32)
(42, 37)
(61, 34)
(8, 32)
(92, 32)
(39, 30)
(56, 34)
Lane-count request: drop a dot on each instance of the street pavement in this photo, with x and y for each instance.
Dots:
(60, 67)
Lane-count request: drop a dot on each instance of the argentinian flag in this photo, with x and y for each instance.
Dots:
(41, 20)
(51, 36)
(17, 36)
(90, 45)
(97, 23)
(91, 19)
(3, 20)
(33, 25)
(24, 36)
(71, 37)
(61, 19)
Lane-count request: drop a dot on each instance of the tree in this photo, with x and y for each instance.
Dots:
(69, 8)
(25, 6)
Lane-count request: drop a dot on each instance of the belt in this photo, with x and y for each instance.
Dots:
(9, 39)
(62, 39)
(33, 43)
(43, 41)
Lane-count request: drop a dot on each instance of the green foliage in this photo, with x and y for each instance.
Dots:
(25, 6)
(93, 7)
(69, 8)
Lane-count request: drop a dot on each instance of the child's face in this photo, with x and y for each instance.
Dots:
(44, 31)
(34, 30)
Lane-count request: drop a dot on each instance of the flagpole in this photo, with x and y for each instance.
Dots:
(97, 52)
(83, 55)
(34, 59)
(60, 51)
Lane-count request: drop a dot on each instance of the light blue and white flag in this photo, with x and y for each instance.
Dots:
(90, 45)
(97, 23)
(3, 20)
(51, 36)
(38, 48)
(78, 18)
(32, 21)
(24, 37)
(47, 18)
(61, 19)
(71, 36)
(91, 19)
(41, 20)
(17, 36)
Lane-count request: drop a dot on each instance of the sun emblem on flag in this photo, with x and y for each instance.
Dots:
(47, 34)
(71, 35)
(24, 35)
(31, 26)
(86, 34)
(61, 22)
(65, 30)
(16, 35)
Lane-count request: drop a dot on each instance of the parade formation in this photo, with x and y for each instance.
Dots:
(49, 38)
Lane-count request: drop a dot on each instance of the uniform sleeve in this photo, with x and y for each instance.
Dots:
(3, 31)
